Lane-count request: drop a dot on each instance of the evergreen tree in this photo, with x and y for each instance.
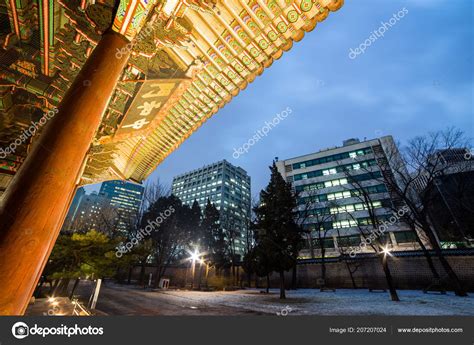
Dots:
(279, 237)
(214, 241)
(82, 255)
(195, 216)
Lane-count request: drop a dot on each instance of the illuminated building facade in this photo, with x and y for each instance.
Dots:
(90, 212)
(326, 197)
(113, 210)
(125, 198)
(228, 188)
(73, 211)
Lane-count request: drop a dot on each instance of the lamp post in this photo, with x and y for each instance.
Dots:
(194, 257)
(207, 274)
(201, 261)
(386, 252)
(193, 271)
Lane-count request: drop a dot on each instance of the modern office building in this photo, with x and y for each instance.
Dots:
(227, 187)
(114, 208)
(327, 182)
(89, 212)
(449, 196)
(126, 198)
(74, 209)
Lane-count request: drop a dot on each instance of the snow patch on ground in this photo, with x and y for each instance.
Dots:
(341, 302)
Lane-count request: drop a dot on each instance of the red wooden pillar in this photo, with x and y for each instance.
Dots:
(35, 203)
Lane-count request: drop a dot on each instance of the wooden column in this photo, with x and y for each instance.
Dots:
(35, 203)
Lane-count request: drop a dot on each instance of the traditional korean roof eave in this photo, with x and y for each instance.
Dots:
(235, 30)
(189, 58)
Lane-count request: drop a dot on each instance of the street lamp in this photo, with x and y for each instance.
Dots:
(201, 261)
(386, 251)
(194, 256)
(207, 274)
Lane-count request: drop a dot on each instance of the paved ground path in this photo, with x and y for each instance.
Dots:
(126, 300)
(131, 300)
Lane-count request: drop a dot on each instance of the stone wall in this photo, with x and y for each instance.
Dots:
(409, 272)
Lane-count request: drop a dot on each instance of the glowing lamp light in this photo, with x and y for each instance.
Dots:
(194, 255)
(386, 251)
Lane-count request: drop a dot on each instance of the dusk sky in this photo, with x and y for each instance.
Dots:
(417, 78)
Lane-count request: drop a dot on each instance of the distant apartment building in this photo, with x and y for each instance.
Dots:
(227, 187)
(126, 198)
(328, 200)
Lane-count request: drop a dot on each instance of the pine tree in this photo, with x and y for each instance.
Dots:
(195, 216)
(279, 235)
(214, 240)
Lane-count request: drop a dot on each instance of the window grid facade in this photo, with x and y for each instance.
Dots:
(227, 187)
(324, 189)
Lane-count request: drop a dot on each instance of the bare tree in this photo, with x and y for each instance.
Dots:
(317, 223)
(406, 175)
(153, 191)
(351, 265)
(396, 204)
(109, 218)
(370, 229)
